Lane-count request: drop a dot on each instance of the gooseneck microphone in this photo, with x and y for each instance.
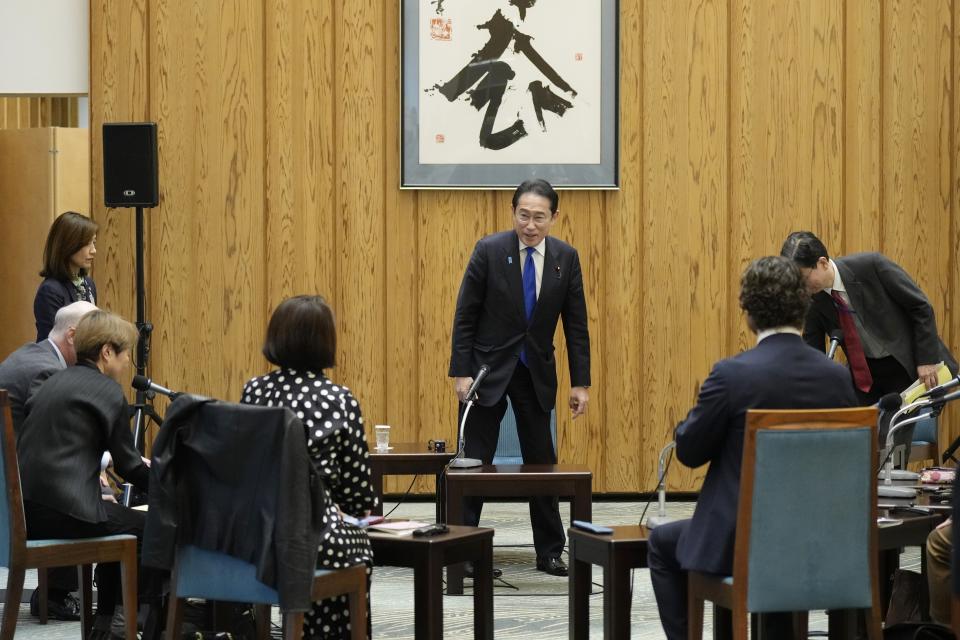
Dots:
(940, 390)
(143, 383)
(472, 391)
(458, 461)
(836, 337)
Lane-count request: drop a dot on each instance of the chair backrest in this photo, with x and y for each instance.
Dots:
(508, 444)
(13, 526)
(806, 521)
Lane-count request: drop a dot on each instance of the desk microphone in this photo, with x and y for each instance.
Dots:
(143, 383)
(472, 391)
(941, 390)
(458, 461)
(836, 337)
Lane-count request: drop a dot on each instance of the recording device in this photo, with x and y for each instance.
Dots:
(466, 463)
(437, 446)
(143, 383)
(432, 530)
(836, 337)
(940, 390)
(591, 528)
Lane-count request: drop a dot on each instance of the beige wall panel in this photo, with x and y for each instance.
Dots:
(625, 424)
(71, 167)
(862, 137)
(360, 34)
(685, 215)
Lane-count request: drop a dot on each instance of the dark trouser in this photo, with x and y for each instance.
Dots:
(889, 376)
(670, 587)
(60, 582)
(44, 522)
(533, 428)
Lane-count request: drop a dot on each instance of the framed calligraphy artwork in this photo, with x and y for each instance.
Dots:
(497, 91)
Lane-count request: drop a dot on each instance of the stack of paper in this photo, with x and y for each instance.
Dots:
(913, 391)
(398, 527)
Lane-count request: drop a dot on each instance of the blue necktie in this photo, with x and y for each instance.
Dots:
(529, 292)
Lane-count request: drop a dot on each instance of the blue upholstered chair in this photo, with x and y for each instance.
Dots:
(508, 444)
(925, 445)
(199, 573)
(806, 525)
(19, 554)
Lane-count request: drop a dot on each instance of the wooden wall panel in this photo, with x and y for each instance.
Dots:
(740, 121)
(28, 112)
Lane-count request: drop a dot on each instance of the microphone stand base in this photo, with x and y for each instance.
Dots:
(900, 474)
(465, 463)
(655, 521)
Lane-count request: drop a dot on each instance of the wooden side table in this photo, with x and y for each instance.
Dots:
(571, 481)
(428, 556)
(617, 553)
(408, 458)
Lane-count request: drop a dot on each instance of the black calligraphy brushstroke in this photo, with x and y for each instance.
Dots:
(522, 6)
(545, 98)
(523, 45)
(501, 33)
(490, 92)
(439, 3)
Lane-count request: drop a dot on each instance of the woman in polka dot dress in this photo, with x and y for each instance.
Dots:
(301, 341)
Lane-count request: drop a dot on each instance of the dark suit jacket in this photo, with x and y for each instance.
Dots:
(237, 479)
(891, 306)
(22, 373)
(490, 325)
(779, 373)
(52, 295)
(76, 415)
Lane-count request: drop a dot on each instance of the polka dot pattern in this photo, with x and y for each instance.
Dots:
(333, 427)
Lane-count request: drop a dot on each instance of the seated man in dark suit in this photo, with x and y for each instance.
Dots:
(781, 372)
(24, 370)
(21, 374)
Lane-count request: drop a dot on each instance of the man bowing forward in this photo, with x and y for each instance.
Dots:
(517, 285)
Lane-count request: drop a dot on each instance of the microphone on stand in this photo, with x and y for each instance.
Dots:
(661, 516)
(459, 462)
(836, 337)
(891, 403)
(143, 383)
(940, 390)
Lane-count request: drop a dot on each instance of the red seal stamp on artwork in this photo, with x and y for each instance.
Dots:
(441, 29)
(440, 138)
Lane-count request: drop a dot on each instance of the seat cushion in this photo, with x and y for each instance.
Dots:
(37, 544)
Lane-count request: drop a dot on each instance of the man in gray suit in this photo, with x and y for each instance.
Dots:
(21, 374)
(889, 329)
(24, 370)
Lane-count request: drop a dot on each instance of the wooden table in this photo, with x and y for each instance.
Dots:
(618, 554)
(571, 481)
(408, 458)
(428, 556)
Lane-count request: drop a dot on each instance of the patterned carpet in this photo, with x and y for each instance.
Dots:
(528, 604)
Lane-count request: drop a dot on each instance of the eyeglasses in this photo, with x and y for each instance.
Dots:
(538, 219)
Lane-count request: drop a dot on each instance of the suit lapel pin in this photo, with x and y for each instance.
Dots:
(509, 259)
(557, 268)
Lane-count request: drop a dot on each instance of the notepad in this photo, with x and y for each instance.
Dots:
(913, 391)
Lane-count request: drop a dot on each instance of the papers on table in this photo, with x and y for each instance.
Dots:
(398, 527)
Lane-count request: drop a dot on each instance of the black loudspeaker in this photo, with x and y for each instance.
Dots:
(130, 164)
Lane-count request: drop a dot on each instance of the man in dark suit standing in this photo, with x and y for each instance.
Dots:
(781, 372)
(24, 370)
(889, 329)
(517, 285)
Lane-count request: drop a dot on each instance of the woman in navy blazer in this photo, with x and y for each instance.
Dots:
(67, 258)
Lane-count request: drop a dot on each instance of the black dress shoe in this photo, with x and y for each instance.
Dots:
(468, 571)
(552, 565)
(65, 607)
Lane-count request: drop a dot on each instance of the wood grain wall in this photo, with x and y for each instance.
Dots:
(27, 112)
(741, 120)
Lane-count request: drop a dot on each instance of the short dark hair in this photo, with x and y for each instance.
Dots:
(773, 294)
(804, 248)
(538, 187)
(302, 335)
(69, 233)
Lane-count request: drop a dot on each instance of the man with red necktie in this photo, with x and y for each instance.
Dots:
(889, 329)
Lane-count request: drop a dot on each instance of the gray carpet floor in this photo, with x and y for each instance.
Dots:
(528, 604)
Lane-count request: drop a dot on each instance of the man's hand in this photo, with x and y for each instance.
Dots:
(579, 398)
(461, 386)
(928, 374)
